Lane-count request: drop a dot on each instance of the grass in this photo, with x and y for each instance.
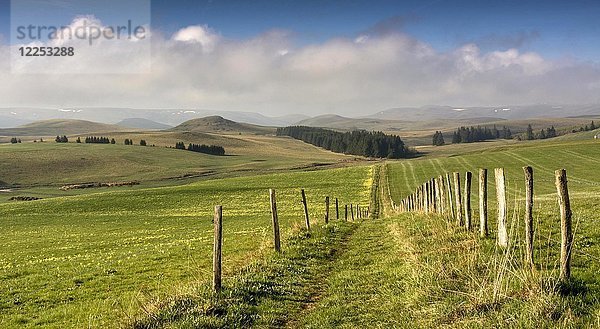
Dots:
(141, 257)
(92, 260)
(38, 169)
(519, 293)
(270, 292)
(412, 271)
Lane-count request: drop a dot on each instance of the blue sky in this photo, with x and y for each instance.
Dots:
(346, 57)
(551, 28)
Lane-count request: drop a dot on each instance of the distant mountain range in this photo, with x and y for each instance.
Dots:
(56, 127)
(13, 117)
(499, 112)
(390, 119)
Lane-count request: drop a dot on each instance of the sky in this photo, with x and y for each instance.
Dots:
(312, 57)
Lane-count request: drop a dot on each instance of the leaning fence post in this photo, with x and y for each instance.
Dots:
(217, 248)
(457, 200)
(483, 215)
(276, 236)
(326, 210)
(306, 218)
(528, 215)
(501, 197)
(468, 179)
(337, 209)
(566, 233)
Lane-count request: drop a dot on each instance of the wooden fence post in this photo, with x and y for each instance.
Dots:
(345, 212)
(442, 189)
(352, 211)
(438, 195)
(337, 209)
(217, 248)
(326, 210)
(566, 233)
(433, 188)
(458, 199)
(501, 197)
(306, 218)
(483, 214)
(426, 196)
(529, 216)
(450, 196)
(276, 236)
(421, 198)
(468, 179)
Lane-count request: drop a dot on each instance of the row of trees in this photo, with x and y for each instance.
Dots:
(61, 139)
(592, 126)
(478, 134)
(208, 149)
(99, 140)
(201, 148)
(542, 134)
(359, 142)
(15, 140)
(551, 132)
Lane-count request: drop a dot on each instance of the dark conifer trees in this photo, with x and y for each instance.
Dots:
(359, 142)
(438, 139)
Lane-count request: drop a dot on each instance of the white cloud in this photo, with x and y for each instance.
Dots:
(197, 68)
(202, 35)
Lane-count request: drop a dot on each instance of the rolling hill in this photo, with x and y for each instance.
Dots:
(60, 127)
(218, 124)
(142, 123)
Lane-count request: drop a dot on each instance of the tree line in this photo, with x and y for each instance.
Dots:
(542, 134)
(551, 132)
(98, 140)
(479, 134)
(201, 148)
(359, 142)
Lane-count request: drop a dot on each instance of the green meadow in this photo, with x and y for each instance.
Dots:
(94, 260)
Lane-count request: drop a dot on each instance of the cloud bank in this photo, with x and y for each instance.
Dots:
(196, 67)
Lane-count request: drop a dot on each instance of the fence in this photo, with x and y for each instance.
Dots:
(360, 211)
(442, 195)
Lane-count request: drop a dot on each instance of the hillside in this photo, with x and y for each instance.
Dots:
(337, 122)
(60, 127)
(507, 112)
(142, 123)
(35, 166)
(218, 124)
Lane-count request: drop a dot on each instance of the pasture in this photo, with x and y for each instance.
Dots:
(93, 260)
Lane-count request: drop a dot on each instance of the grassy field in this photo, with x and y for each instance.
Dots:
(38, 169)
(580, 158)
(93, 260)
(141, 256)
